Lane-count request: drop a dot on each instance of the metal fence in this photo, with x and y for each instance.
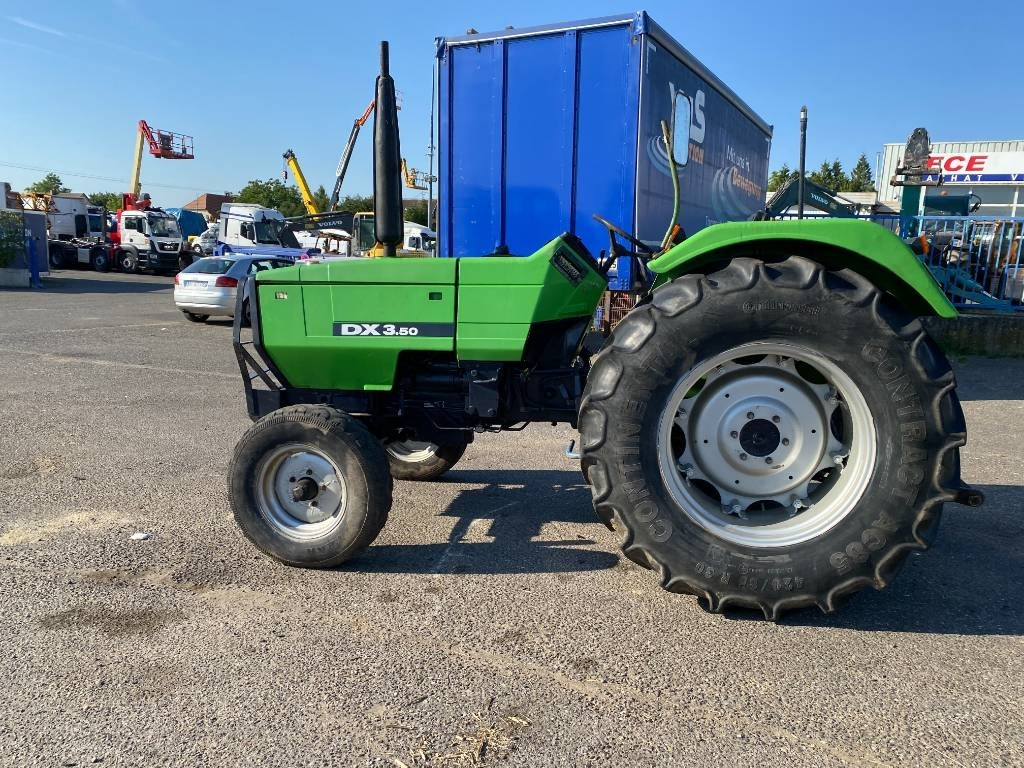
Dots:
(976, 259)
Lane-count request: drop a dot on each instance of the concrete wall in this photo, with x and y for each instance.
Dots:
(980, 334)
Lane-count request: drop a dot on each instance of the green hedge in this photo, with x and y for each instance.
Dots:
(12, 238)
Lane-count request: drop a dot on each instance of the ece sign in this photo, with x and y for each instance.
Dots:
(991, 167)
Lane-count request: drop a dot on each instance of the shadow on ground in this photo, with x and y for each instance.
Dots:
(62, 282)
(971, 582)
(510, 509)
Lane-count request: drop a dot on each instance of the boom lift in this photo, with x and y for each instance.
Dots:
(147, 237)
(165, 144)
(292, 162)
(346, 155)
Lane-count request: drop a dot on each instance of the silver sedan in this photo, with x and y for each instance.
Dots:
(209, 286)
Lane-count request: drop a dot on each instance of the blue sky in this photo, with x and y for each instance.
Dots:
(250, 80)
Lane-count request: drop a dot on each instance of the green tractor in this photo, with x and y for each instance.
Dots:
(770, 427)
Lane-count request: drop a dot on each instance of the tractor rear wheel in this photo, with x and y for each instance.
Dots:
(415, 460)
(771, 436)
(309, 486)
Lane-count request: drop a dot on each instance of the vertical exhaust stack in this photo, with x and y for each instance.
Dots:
(387, 161)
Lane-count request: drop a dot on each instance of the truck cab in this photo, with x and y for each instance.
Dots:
(149, 239)
(417, 240)
(254, 229)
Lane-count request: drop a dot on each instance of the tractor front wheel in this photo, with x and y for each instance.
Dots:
(416, 460)
(309, 486)
(771, 436)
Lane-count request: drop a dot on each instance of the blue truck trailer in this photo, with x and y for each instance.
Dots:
(539, 128)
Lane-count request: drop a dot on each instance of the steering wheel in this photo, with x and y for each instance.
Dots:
(616, 230)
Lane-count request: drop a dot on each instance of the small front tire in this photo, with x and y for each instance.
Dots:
(309, 486)
(193, 317)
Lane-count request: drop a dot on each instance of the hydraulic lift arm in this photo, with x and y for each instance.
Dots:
(300, 179)
(815, 196)
(347, 154)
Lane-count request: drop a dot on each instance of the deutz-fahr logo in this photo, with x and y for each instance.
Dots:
(394, 329)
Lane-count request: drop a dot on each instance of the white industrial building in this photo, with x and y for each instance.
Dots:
(992, 170)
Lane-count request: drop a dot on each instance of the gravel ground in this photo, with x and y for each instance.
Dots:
(493, 621)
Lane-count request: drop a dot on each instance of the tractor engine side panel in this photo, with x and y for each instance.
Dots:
(342, 325)
(502, 297)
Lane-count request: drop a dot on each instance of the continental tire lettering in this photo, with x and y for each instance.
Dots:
(889, 369)
(873, 352)
(913, 430)
(660, 530)
(841, 563)
(646, 511)
(913, 408)
(634, 407)
(910, 476)
(886, 523)
(900, 389)
(873, 539)
(629, 431)
(856, 552)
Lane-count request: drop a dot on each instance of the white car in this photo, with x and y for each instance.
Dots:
(209, 286)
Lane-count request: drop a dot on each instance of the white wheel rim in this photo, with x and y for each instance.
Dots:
(766, 445)
(413, 451)
(278, 473)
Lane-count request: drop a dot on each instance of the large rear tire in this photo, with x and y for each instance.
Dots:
(414, 460)
(772, 436)
(309, 486)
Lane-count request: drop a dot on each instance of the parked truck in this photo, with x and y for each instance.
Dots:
(507, 179)
(147, 238)
(254, 229)
(76, 230)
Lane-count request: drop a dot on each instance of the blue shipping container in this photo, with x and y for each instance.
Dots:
(540, 128)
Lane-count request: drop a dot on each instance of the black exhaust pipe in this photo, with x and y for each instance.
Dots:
(388, 215)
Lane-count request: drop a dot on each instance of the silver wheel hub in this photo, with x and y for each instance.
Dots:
(300, 491)
(767, 444)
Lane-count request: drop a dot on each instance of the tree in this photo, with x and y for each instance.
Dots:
(830, 176)
(779, 177)
(860, 177)
(355, 203)
(416, 211)
(50, 184)
(273, 193)
(109, 200)
(321, 199)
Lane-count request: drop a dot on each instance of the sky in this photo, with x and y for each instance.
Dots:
(249, 80)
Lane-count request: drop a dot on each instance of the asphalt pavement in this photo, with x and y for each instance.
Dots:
(492, 623)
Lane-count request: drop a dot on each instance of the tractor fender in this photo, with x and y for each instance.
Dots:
(863, 246)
